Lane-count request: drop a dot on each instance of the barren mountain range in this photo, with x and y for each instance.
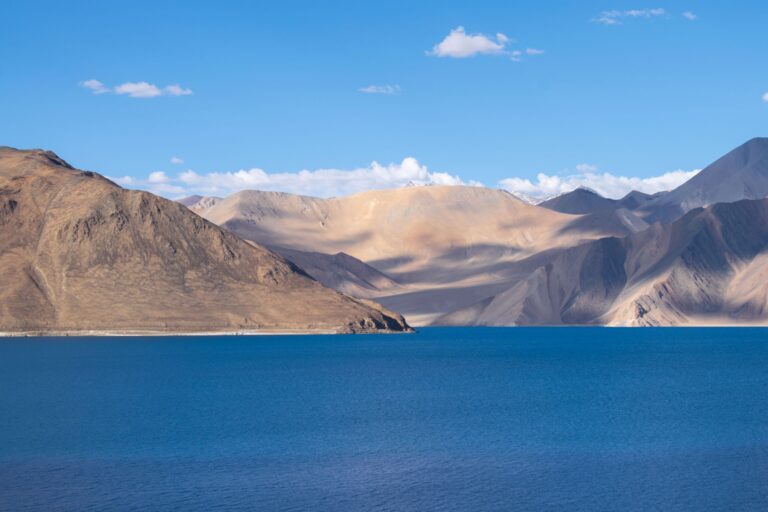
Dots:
(78, 253)
(477, 256)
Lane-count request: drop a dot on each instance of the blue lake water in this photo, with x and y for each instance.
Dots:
(470, 419)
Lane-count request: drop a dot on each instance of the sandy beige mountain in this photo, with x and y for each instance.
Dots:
(709, 267)
(440, 247)
(78, 253)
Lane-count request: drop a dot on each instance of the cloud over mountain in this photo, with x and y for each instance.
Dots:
(319, 182)
(606, 184)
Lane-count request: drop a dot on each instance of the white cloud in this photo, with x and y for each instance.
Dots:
(765, 97)
(339, 182)
(605, 184)
(689, 15)
(458, 44)
(615, 17)
(381, 89)
(319, 182)
(95, 86)
(176, 90)
(158, 177)
(136, 89)
(176, 160)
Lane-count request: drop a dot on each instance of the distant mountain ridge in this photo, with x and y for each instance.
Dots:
(442, 245)
(467, 255)
(583, 201)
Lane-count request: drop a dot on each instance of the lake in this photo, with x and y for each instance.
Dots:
(449, 419)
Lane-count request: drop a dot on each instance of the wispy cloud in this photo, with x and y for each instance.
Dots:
(689, 15)
(176, 90)
(609, 185)
(176, 160)
(517, 55)
(616, 17)
(765, 97)
(95, 86)
(381, 89)
(136, 89)
(458, 44)
(319, 182)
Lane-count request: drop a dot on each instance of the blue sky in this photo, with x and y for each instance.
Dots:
(633, 89)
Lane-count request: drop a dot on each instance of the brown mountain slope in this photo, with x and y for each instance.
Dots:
(78, 253)
(446, 246)
(710, 266)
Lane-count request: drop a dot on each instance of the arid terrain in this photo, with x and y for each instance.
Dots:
(80, 254)
(477, 256)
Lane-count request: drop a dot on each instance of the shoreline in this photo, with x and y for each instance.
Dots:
(137, 333)
(140, 333)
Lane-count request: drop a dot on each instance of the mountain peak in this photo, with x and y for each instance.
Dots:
(579, 201)
(43, 155)
(585, 190)
(754, 148)
(87, 255)
(742, 173)
(760, 141)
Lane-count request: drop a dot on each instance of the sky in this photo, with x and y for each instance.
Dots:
(330, 98)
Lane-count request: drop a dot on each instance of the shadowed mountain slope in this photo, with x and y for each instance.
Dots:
(342, 272)
(487, 257)
(740, 174)
(584, 201)
(579, 201)
(442, 245)
(78, 253)
(710, 266)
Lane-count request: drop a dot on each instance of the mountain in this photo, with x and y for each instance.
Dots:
(635, 199)
(579, 201)
(740, 174)
(710, 266)
(199, 204)
(586, 201)
(342, 272)
(189, 200)
(601, 213)
(444, 246)
(78, 253)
